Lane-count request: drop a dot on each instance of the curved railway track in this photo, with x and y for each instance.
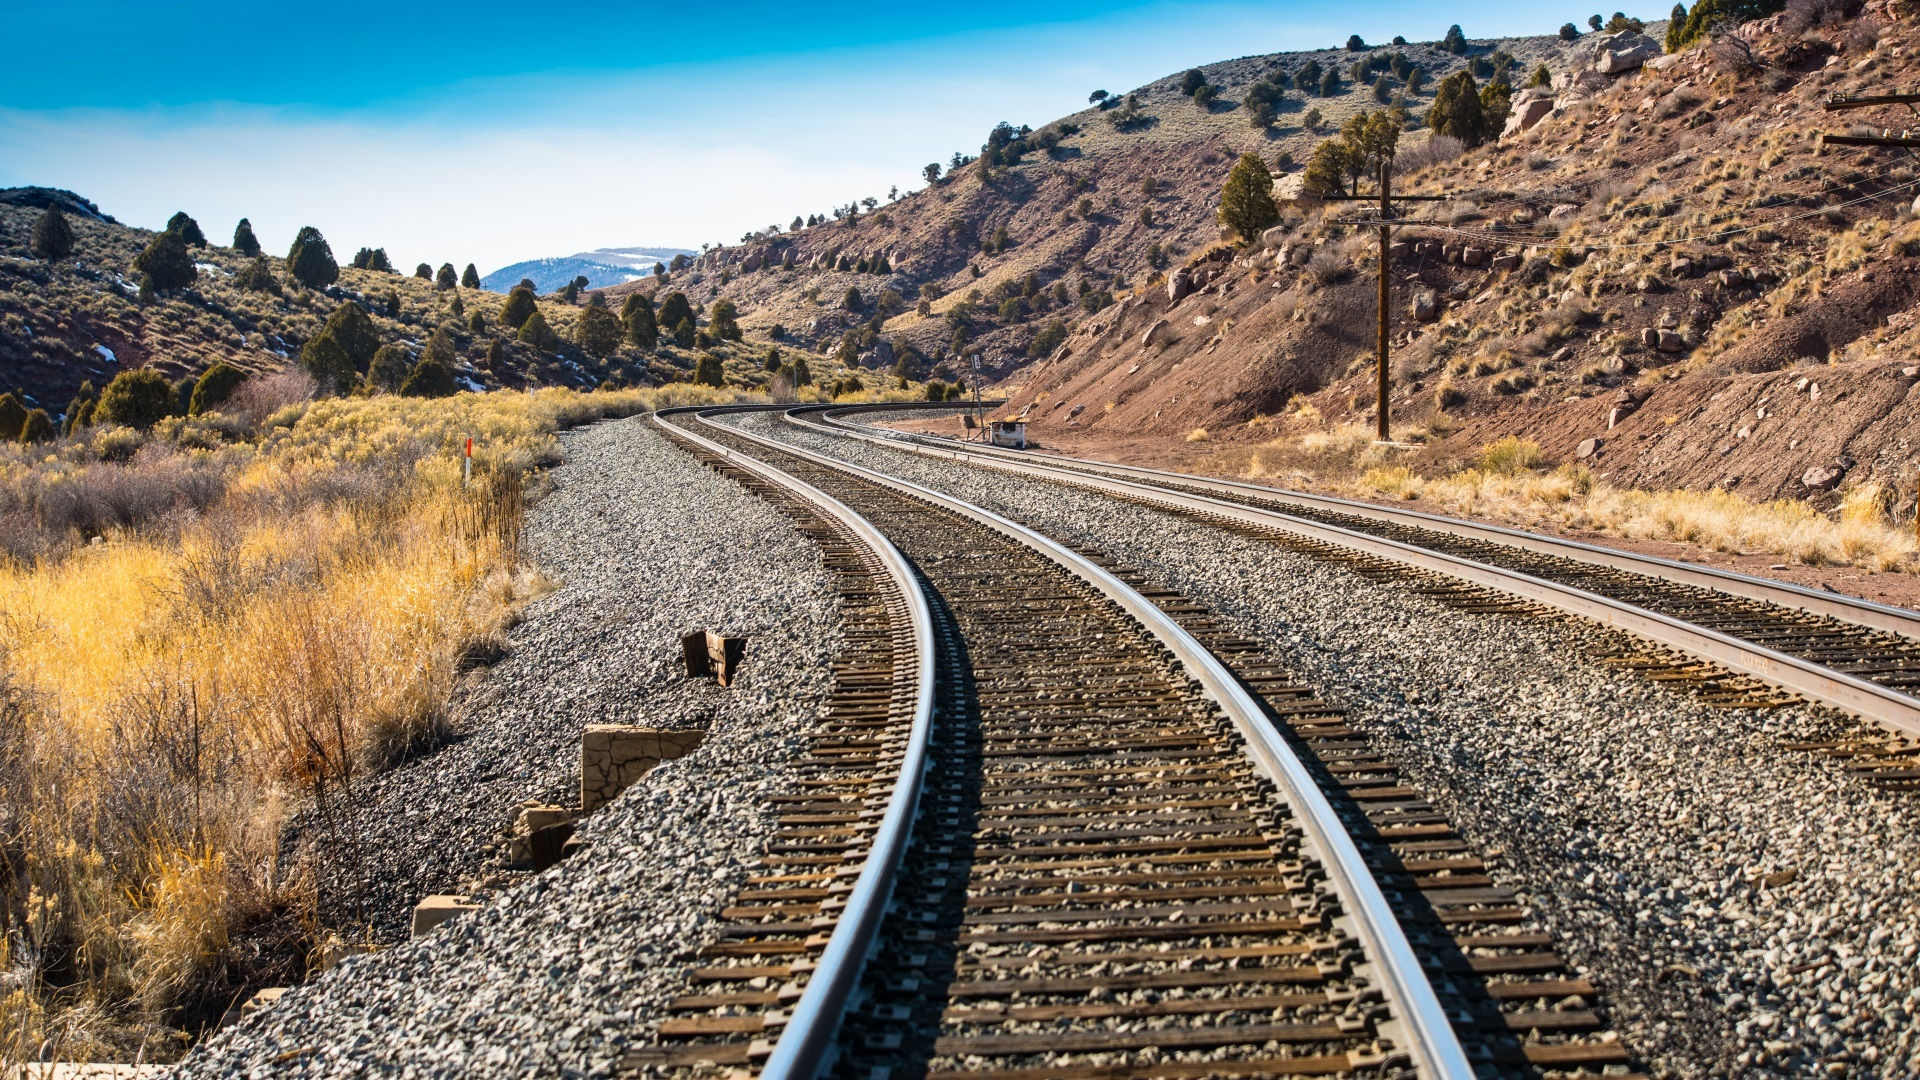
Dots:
(1851, 654)
(1141, 849)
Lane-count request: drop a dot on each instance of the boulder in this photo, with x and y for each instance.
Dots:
(1562, 210)
(1293, 188)
(1506, 262)
(1154, 332)
(1824, 477)
(1302, 255)
(1473, 256)
(1570, 86)
(1526, 114)
(1650, 337)
(1622, 52)
(1588, 448)
(1668, 341)
(1274, 237)
(1178, 286)
(1426, 307)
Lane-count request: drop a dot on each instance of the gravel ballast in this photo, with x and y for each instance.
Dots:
(556, 974)
(1746, 908)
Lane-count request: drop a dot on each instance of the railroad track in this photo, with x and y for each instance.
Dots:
(1720, 634)
(1142, 849)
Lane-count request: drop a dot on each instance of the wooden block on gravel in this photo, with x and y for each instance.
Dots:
(613, 757)
(437, 909)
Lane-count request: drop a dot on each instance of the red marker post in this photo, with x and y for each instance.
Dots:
(466, 475)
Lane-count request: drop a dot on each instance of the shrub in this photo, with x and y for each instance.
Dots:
(636, 317)
(1568, 31)
(1354, 44)
(723, 321)
(684, 334)
(387, 371)
(350, 327)
(1454, 42)
(1311, 121)
(1510, 456)
(1246, 199)
(137, 399)
(310, 261)
(424, 272)
(257, 276)
(429, 379)
(182, 396)
(852, 301)
(244, 241)
(1048, 339)
(38, 428)
(329, 365)
(673, 311)
(165, 264)
(936, 390)
(708, 371)
(537, 333)
(598, 332)
(214, 387)
(446, 279)
(188, 229)
(13, 417)
(518, 308)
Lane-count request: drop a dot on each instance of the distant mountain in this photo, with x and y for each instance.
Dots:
(601, 267)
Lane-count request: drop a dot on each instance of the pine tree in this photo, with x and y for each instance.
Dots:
(598, 332)
(354, 332)
(1457, 110)
(470, 278)
(537, 333)
(518, 308)
(38, 428)
(165, 264)
(13, 417)
(636, 315)
(708, 371)
(379, 262)
(388, 369)
(188, 229)
(674, 310)
(310, 261)
(52, 237)
(244, 241)
(1676, 28)
(137, 399)
(447, 278)
(723, 321)
(214, 387)
(1455, 42)
(328, 363)
(429, 379)
(1246, 200)
(362, 259)
(440, 350)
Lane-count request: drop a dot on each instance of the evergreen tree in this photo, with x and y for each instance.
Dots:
(1457, 110)
(362, 258)
(598, 332)
(244, 241)
(772, 363)
(328, 363)
(684, 334)
(1354, 44)
(388, 369)
(1193, 80)
(1246, 200)
(136, 399)
(798, 373)
(38, 428)
(570, 292)
(446, 278)
(80, 409)
(1541, 76)
(519, 307)
(496, 355)
(708, 371)
(537, 333)
(852, 301)
(393, 303)
(182, 395)
(354, 332)
(458, 307)
(423, 272)
(1569, 32)
(673, 310)
(13, 417)
(1455, 42)
(429, 379)
(470, 278)
(440, 350)
(165, 263)
(214, 387)
(476, 324)
(723, 320)
(52, 237)
(188, 229)
(1330, 83)
(310, 261)
(378, 261)
(636, 315)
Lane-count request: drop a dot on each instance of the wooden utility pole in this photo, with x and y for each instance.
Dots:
(1839, 103)
(1381, 356)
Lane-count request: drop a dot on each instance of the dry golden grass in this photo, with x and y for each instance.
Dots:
(174, 687)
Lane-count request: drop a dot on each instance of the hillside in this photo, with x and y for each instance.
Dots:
(603, 268)
(1100, 202)
(1668, 278)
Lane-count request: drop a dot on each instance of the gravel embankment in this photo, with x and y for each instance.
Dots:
(1640, 826)
(557, 973)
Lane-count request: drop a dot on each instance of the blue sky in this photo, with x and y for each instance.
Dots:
(489, 132)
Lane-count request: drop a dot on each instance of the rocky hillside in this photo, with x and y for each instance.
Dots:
(1659, 269)
(1093, 206)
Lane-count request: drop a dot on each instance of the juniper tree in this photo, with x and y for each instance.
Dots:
(362, 259)
(354, 332)
(684, 333)
(379, 262)
(458, 307)
(423, 272)
(182, 395)
(1457, 110)
(496, 355)
(598, 332)
(244, 241)
(310, 260)
(519, 307)
(673, 311)
(447, 278)
(723, 320)
(708, 371)
(136, 399)
(440, 350)
(537, 333)
(1246, 200)
(188, 229)
(469, 278)
(165, 264)
(1569, 32)
(52, 237)
(772, 363)
(1330, 83)
(38, 428)
(429, 379)
(476, 324)
(1354, 44)
(328, 363)
(636, 316)
(388, 369)
(80, 409)
(13, 417)
(214, 387)
(1455, 42)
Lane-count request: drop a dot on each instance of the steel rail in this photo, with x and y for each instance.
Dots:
(1432, 1042)
(807, 1041)
(1815, 682)
(1847, 609)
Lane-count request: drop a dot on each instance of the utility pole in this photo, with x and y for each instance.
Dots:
(1842, 103)
(1381, 358)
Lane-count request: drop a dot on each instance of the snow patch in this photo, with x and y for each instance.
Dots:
(106, 352)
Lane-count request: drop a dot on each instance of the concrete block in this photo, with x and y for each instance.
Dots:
(613, 757)
(437, 909)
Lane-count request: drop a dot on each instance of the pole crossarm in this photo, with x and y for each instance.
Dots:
(1867, 140)
(1840, 103)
